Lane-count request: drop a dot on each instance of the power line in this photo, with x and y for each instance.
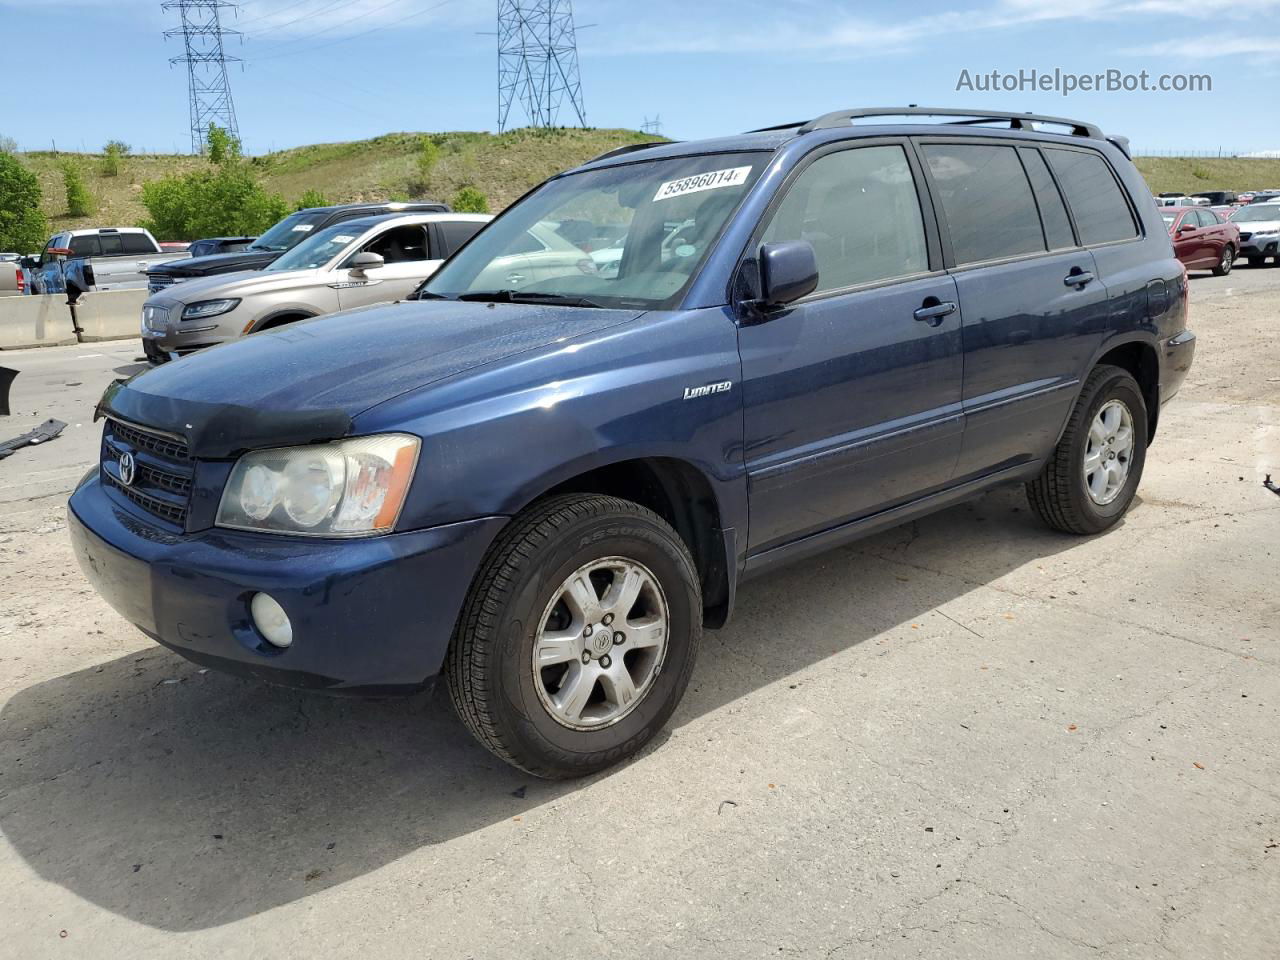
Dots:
(307, 16)
(364, 33)
(208, 88)
(274, 13)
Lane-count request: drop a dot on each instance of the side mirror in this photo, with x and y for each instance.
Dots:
(1185, 227)
(788, 271)
(366, 261)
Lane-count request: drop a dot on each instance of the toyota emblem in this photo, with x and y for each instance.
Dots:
(128, 469)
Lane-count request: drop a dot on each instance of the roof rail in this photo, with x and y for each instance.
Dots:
(631, 148)
(1017, 121)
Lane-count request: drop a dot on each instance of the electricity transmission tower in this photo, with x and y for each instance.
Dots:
(538, 61)
(206, 59)
(653, 126)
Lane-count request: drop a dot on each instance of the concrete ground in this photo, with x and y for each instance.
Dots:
(964, 738)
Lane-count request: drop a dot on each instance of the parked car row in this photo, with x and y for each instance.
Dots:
(540, 477)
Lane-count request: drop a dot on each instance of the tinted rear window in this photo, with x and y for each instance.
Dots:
(1057, 226)
(136, 243)
(1101, 211)
(457, 232)
(85, 247)
(987, 200)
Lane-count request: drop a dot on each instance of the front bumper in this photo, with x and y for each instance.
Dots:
(372, 615)
(1257, 246)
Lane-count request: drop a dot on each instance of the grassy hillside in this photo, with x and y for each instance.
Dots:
(1193, 175)
(502, 167)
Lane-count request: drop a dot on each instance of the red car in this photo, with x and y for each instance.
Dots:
(1201, 239)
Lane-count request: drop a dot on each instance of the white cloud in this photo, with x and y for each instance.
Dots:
(1262, 47)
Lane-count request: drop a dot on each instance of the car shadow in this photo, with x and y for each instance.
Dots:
(184, 799)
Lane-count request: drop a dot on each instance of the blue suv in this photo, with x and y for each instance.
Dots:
(654, 376)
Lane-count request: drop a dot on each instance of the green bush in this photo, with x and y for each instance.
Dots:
(1200, 173)
(23, 228)
(312, 198)
(112, 154)
(79, 202)
(470, 200)
(223, 148)
(224, 201)
(428, 157)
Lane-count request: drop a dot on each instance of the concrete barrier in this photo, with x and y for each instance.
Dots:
(114, 315)
(43, 321)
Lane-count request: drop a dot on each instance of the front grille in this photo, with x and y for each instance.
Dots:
(163, 470)
(155, 443)
(158, 281)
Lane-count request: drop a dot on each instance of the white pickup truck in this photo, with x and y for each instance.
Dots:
(108, 258)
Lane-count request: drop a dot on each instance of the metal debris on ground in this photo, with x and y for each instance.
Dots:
(41, 434)
(1271, 485)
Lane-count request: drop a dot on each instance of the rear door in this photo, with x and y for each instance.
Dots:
(408, 260)
(1030, 295)
(852, 395)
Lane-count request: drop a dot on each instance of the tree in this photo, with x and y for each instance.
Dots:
(79, 201)
(312, 198)
(22, 225)
(470, 200)
(223, 148)
(112, 154)
(8, 144)
(428, 157)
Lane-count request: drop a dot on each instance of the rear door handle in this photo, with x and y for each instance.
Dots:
(933, 314)
(1078, 279)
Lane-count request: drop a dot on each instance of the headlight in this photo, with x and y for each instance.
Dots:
(351, 488)
(208, 308)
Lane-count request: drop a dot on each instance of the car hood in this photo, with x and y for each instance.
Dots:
(243, 283)
(218, 263)
(1253, 226)
(306, 381)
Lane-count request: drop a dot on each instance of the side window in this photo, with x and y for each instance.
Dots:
(1101, 211)
(527, 243)
(1208, 218)
(987, 201)
(860, 211)
(135, 243)
(111, 245)
(458, 232)
(1053, 212)
(400, 244)
(85, 247)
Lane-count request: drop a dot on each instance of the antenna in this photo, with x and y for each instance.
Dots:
(206, 60)
(653, 126)
(538, 61)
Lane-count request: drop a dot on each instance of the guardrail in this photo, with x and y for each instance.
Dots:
(50, 320)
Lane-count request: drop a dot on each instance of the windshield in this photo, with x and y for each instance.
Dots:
(318, 249)
(626, 236)
(1256, 213)
(289, 232)
(1170, 219)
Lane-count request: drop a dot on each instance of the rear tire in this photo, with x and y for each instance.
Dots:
(1225, 262)
(1108, 431)
(561, 682)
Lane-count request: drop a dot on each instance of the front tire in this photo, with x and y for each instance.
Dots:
(1092, 476)
(1225, 262)
(578, 637)
(1257, 261)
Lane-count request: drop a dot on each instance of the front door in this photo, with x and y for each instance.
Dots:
(407, 261)
(852, 395)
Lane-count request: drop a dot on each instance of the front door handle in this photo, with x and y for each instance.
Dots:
(1078, 279)
(934, 312)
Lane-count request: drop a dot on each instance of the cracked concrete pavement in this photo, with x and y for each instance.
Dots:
(968, 737)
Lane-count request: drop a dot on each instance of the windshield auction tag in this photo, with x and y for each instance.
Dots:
(342, 238)
(712, 180)
(304, 228)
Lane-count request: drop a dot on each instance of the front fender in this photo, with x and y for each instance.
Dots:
(498, 437)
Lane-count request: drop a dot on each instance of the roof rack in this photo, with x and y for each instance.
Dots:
(1017, 121)
(631, 148)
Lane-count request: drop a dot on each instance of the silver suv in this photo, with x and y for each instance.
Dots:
(350, 264)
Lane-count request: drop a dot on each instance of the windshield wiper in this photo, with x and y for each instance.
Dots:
(530, 296)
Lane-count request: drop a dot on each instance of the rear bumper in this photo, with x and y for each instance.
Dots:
(373, 615)
(1179, 351)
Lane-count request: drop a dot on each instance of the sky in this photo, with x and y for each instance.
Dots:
(328, 70)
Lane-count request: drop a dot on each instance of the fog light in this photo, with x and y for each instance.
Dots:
(271, 620)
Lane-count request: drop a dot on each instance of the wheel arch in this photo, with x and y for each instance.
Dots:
(683, 495)
(1138, 356)
(280, 317)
